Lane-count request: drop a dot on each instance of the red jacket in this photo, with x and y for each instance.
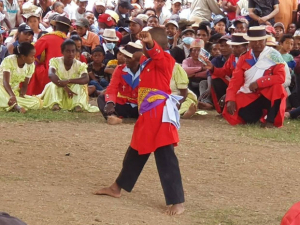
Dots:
(270, 86)
(150, 132)
(121, 89)
(226, 70)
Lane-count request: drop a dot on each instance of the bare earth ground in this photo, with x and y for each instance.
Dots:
(231, 175)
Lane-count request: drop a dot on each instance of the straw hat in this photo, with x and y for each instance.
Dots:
(197, 43)
(256, 33)
(237, 39)
(30, 10)
(131, 48)
(110, 35)
(271, 41)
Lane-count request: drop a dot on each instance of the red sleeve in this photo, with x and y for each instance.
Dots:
(40, 46)
(277, 77)
(225, 70)
(113, 87)
(83, 59)
(236, 81)
(156, 53)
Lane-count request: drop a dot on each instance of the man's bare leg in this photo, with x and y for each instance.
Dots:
(114, 191)
(176, 209)
(113, 120)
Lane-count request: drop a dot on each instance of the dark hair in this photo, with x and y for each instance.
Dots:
(152, 17)
(23, 49)
(99, 48)
(159, 35)
(203, 27)
(67, 43)
(286, 36)
(149, 9)
(62, 27)
(74, 32)
(214, 38)
(56, 4)
(76, 38)
(41, 34)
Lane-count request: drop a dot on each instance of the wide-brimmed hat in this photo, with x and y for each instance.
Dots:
(30, 10)
(131, 48)
(197, 43)
(62, 20)
(110, 35)
(271, 41)
(237, 39)
(256, 33)
(52, 17)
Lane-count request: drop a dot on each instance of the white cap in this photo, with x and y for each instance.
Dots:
(177, 1)
(147, 28)
(172, 22)
(100, 2)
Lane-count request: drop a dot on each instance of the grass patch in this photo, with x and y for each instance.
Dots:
(49, 116)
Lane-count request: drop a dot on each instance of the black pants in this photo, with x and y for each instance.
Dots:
(219, 87)
(254, 111)
(125, 111)
(168, 170)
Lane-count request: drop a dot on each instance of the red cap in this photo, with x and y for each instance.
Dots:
(107, 19)
(270, 29)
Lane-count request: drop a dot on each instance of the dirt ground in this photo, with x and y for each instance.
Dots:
(49, 171)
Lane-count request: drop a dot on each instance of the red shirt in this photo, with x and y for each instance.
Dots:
(150, 132)
(231, 15)
(121, 90)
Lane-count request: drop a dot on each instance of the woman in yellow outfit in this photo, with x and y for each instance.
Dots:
(15, 71)
(68, 89)
(179, 86)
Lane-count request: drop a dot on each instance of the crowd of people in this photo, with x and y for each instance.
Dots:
(238, 57)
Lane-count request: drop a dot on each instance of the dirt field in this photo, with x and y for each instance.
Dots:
(231, 175)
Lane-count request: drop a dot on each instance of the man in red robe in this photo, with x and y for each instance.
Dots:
(49, 44)
(256, 90)
(156, 128)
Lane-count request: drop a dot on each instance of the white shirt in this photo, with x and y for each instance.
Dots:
(77, 15)
(70, 10)
(165, 14)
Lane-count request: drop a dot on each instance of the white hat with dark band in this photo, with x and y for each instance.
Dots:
(131, 48)
(237, 39)
(256, 33)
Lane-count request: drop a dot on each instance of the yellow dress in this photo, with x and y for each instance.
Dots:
(180, 80)
(17, 76)
(53, 94)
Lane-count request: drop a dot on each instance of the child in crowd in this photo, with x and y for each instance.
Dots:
(291, 28)
(24, 34)
(58, 7)
(80, 11)
(220, 24)
(17, 69)
(34, 21)
(279, 29)
(112, 64)
(172, 32)
(96, 70)
(78, 43)
(4, 16)
(153, 21)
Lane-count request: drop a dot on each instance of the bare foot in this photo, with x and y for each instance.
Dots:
(287, 115)
(113, 120)
(205, 106)
(77, 109)
(55, 107)
(20, 109)
(190, 112)
(114, 191)
(267, 125)
(176, 209)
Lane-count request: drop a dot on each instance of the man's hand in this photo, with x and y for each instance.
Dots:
(253, 86)
(231, 107)
(12, 100)
(69, 92)
(109, 108)
(146, 38)
(209, 65)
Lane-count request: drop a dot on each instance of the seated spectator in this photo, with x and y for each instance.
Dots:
(24, 34)
(3, 48)
(4, 16)
(112, 64)
(215, 51)
(109, 44)
(93, 25)
(78, 42)
(161, 12)
(13, 11)
(17, 69)
(124, 31)
(226, 51)
(120, 99)
(182, 51)
(241, 25)
(172, 32)
(58, 8)
(203, 32)
(262, 12)
(179, 86)
(99, 8)
(106, 21)
(256, 90)
(150, 12)
(176, 6)
(194, 68)
(89, 39)
(33, 20)
(135, 27)
(70, 7)
(296, 43)
(279, 28)
(230, 6)
(122, 10)
(44, 5)
(291, 28)
(153, 21)
(220, 25)
(67, 89)
(144, 18)
(221, 76)
(80, 11)
(96, 73)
